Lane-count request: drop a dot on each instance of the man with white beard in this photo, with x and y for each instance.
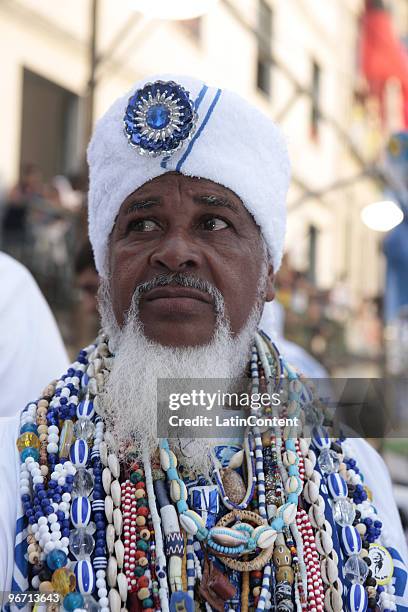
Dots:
(186, 219)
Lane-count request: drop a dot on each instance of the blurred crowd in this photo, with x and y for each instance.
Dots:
(43, 225)
(336, 331)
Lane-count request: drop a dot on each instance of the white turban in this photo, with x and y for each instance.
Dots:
(234, 144)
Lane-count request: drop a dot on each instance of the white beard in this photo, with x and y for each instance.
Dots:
(128, 403)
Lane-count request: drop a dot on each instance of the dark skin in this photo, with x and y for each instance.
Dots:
(176, 223)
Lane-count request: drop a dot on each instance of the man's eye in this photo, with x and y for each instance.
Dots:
(143, 225)
(214, 224)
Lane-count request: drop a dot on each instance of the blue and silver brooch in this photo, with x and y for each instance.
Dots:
(160, 118)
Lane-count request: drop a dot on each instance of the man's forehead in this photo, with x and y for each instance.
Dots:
(158, 186)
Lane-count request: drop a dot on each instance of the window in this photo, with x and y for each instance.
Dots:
(264, 60)
(315, 100)
(50, 135)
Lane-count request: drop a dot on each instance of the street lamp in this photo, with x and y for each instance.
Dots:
(382, 216)
(173, 9)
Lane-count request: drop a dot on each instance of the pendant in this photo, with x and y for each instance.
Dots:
(234, 486)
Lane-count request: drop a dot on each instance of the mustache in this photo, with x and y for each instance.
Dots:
(183, 280)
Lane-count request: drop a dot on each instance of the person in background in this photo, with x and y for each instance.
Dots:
(87, 283)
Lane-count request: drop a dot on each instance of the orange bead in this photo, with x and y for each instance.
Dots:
(63, 580)
(143, 581)
(26, 440)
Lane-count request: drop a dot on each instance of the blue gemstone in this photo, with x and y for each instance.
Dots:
(56, 559)
(72, 601)
(158, 116)
(29, 452)
(29, 427)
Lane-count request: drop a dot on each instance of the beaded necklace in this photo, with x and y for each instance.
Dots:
(96, 536)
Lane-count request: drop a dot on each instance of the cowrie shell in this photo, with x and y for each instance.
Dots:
(117, 521)
(175, 491)
(228, 537)
(97, 364)
(303, 446)
(112, 572)
(109, 441)
(103, 349)
(329, 571)
(188, 524)
(289, 514)
(308, 467)
(113, 464)
(164, 459)
(311, 492)
(122, 586)
(267, 538)
(115, 601)
(108, 508)
(103, 451)
(115, 493)
(324, 543)
(292, 484)
(106, 480)
(110, 538)
(289, 458)
(333, 600)
(92, 386)
(119, 553)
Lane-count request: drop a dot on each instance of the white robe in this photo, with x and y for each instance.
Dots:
(371, 464)
(31, 349)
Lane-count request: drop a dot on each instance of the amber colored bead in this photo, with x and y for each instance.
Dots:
(46, 587)
(28, 440)
(63, 580)
(256, 591)
(140, 493)
(140, 521)
(143, 562)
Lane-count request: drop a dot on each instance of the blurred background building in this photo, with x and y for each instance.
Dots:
(306, 63)
(333, 74)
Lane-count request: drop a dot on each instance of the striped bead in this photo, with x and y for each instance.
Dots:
(79, 453)
(80, 511)
(100, 563)
(357, 598)
(98, 505)
(85, 576)
(85, 409)
(320, 438)
(351, 540)
(337, 486)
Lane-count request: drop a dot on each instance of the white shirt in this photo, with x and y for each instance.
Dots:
(32, 353)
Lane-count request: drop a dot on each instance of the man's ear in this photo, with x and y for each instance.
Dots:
(270, 285)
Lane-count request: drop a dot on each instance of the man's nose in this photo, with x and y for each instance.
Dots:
(176, 253)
